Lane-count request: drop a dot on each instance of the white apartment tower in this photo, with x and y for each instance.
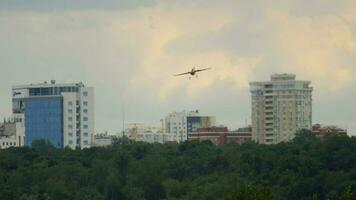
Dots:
(176, 123)
(280, 107)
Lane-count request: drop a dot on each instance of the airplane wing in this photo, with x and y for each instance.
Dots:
(199, 70)
(182, 74)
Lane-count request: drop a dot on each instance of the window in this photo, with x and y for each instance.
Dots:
(85, 103)
(85, 93)
(70, 103)
(85, 142)
(70, 126)
(85, 119)
(85, 134)
(85, 126)
(70, 111)
(70, 142)
(85, 110)
(70, 118)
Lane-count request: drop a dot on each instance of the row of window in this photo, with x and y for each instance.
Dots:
(84, 119)
(85, 134)
(7, 143)
(70, 103)
(51, 90)
(70, 111)
(70, 126)
(85, 142)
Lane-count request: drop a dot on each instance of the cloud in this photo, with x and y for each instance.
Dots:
(55, 5)
(129, 50)
(315, 48)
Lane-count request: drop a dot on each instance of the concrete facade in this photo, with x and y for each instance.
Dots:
(280, 107)
(12, 132)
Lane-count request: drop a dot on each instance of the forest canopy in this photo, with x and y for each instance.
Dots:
(306, 168)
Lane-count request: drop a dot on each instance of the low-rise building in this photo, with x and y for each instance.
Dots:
(151, 133)
(102, 139)
(221, 135)
(162, 138)
(322, 130)
(12, 132)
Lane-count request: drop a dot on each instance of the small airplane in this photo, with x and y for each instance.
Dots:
(192, 72)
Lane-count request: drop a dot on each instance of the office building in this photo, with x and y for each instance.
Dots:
(280, 107)
(62, 114)
(183, 123)
(195, 121)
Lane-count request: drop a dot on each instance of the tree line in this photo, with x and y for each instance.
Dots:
(307, 168)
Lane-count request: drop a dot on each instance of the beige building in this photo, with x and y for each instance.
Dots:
(280, 107)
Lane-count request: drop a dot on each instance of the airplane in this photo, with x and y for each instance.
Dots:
(192, 72)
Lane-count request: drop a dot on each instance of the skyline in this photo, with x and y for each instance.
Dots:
(132, 49)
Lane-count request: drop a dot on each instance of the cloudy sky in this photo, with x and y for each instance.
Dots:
(129, 49)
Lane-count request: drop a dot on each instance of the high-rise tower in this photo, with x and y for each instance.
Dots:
(280, 107)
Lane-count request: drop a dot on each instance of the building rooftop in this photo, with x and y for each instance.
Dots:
(46, 84)
(282, 77)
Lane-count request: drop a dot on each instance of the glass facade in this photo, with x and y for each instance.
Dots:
(193, 124)
(50, 91)
(44, 120)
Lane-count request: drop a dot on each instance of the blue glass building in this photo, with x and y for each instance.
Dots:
(43, 120)
(59, 113)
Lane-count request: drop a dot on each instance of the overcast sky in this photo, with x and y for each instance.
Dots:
(129, 49)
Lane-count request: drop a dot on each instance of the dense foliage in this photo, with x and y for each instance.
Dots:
(307, 168)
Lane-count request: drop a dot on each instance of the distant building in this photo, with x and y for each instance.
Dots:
(176, 124)
(280, 107)
(321, 131)
(102, 140)
(221, 135)
(162, 138)
(12, 132)
(183, 123)
(62, 114)
(150, 133)
(194, 121)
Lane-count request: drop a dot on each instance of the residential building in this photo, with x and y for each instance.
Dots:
(12, 132)
(62, 114)
(280, 107)
(176, 124)
(221, 135)
(322, 130)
